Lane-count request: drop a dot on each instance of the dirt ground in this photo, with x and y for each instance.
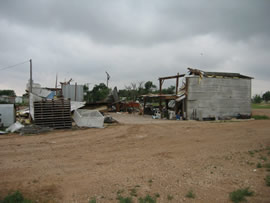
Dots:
(168, 158)
(261, 112)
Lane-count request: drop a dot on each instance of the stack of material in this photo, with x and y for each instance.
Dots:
(53, 113)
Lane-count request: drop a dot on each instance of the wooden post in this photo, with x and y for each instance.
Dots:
(30, 88)
(160, 92)
(177, 81)
(144, 103)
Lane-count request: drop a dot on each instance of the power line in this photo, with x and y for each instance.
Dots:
(12, 66)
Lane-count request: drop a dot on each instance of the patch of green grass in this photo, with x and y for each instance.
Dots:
(124, 199)
(267, 180)
(15, 197)
(93, 200)
(260, 106)
(240, 195)
(169, 197)
(190, 194)
(259, 165)
(147, 199)
(260, 117)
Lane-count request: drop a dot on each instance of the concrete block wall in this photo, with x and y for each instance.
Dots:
(218, 97)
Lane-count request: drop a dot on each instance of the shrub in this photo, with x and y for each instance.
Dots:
(15, 197)
(190, 194)
(93, 200)
(124, 199)
(147, 199)
(240, 195)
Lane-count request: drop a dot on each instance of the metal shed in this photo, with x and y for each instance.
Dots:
(211, 95)
(217, 95)
(7, 114)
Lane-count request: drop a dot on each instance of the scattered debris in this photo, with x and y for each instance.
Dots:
(14, 127)
(2, 132)
(34, 129)
(76, 105)
(109, 119)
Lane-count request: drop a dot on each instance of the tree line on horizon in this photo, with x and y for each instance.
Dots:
(131, 92)
(257, 99)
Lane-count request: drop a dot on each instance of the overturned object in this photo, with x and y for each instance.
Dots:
(88, 118)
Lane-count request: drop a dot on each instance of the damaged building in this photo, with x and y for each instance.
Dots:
(209, 95)
(217, 95)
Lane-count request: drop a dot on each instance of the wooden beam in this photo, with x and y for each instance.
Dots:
(172, 77)
(177, 82)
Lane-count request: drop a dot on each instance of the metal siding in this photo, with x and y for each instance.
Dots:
(69, 92)
(7, 112)
(218, 97)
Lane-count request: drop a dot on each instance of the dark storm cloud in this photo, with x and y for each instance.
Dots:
(143, 22)
(133, 40)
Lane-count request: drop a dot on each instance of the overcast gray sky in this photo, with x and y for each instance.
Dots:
(134, 40)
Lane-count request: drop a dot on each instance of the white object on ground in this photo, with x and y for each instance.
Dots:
(88, 118)
(14, 127)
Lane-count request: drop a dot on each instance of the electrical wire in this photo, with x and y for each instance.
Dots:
(12, 66)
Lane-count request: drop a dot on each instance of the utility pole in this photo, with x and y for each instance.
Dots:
(108, 78)
(30, 89)
(31, 81)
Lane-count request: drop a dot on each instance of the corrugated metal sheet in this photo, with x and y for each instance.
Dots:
(7, 114)
(73, 92)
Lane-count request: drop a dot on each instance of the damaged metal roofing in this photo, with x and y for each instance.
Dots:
(217, 74)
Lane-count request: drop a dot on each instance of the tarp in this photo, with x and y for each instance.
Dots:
(41, 92)
(88, 118)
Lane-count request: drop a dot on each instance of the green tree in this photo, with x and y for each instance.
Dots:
(256, 99)
(99, 92)
(169, 90)
(266, 96)
(149, 87)
(7, 93)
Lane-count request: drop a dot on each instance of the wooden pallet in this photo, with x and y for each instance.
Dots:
(53, 113)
